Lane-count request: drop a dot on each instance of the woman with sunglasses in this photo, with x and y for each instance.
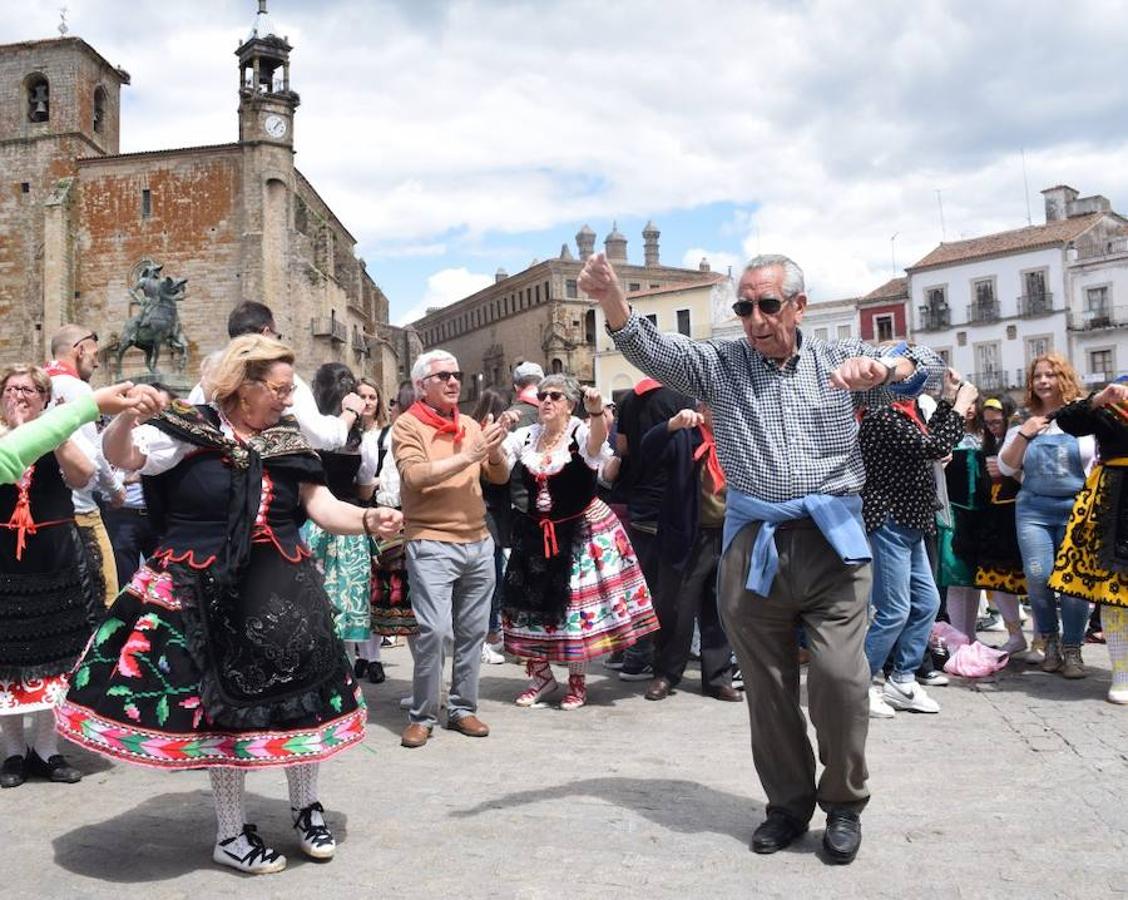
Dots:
(221, 653)
(47, 601)
(573, 586)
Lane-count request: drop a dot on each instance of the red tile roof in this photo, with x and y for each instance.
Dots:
(1033, 237)
(893, 289)
(680, 286)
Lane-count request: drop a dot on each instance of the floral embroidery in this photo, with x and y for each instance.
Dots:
(127, 662)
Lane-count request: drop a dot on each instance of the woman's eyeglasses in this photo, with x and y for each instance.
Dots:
(554, 396)
(24, 391)
(769, 306)
(444, 377)
(280, 391)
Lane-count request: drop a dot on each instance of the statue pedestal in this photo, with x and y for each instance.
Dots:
(174, 381)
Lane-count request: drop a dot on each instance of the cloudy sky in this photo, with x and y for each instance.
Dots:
(456, 137)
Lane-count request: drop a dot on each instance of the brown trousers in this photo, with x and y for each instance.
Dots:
(829, 598)
(99, 554)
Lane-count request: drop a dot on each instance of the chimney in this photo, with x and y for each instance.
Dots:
(500, 276)
(650, 244)
(704, 266)
(1086, 205)
(1058, 199)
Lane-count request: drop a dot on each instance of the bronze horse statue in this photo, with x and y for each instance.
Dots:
(158, 322)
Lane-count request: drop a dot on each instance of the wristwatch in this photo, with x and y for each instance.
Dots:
(890, 370)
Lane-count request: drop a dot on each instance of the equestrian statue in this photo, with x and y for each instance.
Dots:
(158, 322)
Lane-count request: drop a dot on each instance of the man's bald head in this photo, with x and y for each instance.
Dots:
(77, 345)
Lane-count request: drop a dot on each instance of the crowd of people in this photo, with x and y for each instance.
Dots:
(205, 583)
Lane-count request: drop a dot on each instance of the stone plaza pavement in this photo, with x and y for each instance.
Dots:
(1017, 789)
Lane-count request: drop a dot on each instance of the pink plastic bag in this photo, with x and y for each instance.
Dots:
(944, 635)
(975, 660)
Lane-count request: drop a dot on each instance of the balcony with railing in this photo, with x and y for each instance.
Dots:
(329, 327)
(934, 318)
(991, 381)
(983, 311)
(1031, 306)
(1102, 317)
(1114, 246)
(360, 342)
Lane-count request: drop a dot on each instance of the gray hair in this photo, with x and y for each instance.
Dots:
(566, 384)
(792, 274)
(419, 369)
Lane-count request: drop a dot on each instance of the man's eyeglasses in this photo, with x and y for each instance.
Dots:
(444, 377)
(554, 396)
(93, 336)
(280, 391)
(21, 389)
(769, 306)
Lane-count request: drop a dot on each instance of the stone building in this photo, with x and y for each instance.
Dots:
(79, 220)
(540, 314)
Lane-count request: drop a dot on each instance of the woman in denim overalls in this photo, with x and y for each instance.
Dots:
(1052, 466)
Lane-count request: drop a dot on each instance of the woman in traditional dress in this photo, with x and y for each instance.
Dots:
(391, 595)
(47, 605)
(344, 559)
(1092, 563)
(573, 586)
(1052, 465)
(221, 653)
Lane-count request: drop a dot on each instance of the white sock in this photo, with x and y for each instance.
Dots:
(45, 741)
(12, 735)
(369, 649)
(578, 668)
(1114, 623)
(228, 785)
(302, 781)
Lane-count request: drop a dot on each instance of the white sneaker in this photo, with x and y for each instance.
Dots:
(934, 678)
(491, 657)
(247, 852)
(908, 695)
(1036, 655)
(878, 708)
(314, 837)
(1118, 693)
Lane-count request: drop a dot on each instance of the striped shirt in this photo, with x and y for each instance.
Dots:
(782, 432)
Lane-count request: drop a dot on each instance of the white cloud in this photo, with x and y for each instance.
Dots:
(445, 287)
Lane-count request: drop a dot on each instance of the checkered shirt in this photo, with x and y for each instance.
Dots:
(782, 431)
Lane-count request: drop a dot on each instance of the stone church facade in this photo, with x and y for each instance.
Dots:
(79, 220)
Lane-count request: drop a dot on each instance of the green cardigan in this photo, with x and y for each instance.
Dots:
(22, 446)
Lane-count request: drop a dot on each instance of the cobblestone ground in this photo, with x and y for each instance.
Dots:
(1016, 789)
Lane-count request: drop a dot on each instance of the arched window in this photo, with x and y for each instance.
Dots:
(38, 99)
(99, 109)
(557, 367)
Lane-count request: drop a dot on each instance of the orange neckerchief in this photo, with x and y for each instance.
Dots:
(441, 424)
(908, 409)
(712, 464)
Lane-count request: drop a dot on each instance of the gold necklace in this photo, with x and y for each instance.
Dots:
(546, 445)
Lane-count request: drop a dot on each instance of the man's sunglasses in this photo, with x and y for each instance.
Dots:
(93, 336)
(769, 306)
(554, 396)
(444, 377)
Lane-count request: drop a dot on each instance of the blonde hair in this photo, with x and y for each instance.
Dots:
(39, 378)
(1069, 385)
(247, 358)
(381, 411)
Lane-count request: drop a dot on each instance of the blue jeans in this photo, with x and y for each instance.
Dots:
(904, 598)
(1040, 522)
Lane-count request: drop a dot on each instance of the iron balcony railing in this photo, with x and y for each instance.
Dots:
(991, 380)
(1032, 305)
(1107, 317)
(934, 318)
(983, 311)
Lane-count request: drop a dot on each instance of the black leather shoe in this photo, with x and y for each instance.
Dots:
(360, 666)
(843, 836)
(56, 768)
(12, 773)
(776, 832)
(376, 673)
(726, 693)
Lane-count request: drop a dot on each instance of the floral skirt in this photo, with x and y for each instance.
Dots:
(609, 604)
(344, 561)
(391, 594)
(31, 694)
(1084, 564)
(136, 693)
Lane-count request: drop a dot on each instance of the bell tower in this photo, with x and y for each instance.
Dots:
(266, 103)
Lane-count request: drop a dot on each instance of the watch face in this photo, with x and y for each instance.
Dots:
(275, 126)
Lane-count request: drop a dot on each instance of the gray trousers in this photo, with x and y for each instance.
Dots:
(829, 598)
(451, 588)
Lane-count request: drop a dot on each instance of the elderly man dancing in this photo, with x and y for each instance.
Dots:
(794, 545)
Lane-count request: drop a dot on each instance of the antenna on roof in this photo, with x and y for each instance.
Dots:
(1026, 186)
(892, 255)
(940, 203)
(62, 26)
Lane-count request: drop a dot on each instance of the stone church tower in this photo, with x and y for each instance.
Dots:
(79, 220)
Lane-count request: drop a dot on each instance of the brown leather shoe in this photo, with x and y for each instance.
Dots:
(726, 693)
(471, 726)
(415, 735)
(659, 689)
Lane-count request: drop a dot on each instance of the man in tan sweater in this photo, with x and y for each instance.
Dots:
(441, 457)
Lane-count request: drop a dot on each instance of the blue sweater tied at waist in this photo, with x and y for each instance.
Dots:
(838, 518)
